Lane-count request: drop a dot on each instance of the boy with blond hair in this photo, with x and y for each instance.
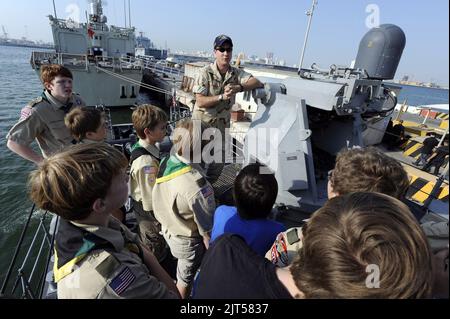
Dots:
(184, 202)
(96, 257)
(150, 123)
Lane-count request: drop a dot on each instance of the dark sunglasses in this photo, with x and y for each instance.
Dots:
(224, 49)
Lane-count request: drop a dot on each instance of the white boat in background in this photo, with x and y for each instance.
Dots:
(440, 108)
(101, 58)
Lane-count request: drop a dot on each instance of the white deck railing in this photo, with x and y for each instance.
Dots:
(84, 61)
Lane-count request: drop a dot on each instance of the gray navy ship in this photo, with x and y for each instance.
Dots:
(101, 58)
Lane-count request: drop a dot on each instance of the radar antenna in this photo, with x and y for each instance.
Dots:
(5, 34)
(309, 13)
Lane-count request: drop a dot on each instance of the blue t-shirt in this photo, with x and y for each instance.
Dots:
(258, 233)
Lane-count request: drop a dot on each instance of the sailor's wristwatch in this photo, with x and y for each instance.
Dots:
(220, 97)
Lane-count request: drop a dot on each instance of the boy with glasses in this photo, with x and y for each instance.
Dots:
(43, 118)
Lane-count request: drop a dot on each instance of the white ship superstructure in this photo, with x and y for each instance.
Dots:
(101, 58)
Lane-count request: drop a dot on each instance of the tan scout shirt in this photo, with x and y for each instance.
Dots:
(43, 120)
(105, 275)
(209, 82)
(143, 176)
(185, 205)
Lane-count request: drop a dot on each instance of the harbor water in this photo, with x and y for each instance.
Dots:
(18, 85)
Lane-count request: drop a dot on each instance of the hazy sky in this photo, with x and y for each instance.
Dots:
(261, 26)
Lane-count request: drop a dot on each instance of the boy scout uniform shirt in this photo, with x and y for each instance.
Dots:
(185, 205)
(113, 274)
(43, 120)
(143, 176)
(210, 82)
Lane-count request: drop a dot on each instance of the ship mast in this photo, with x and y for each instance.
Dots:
(129, 12)
(96, 16)
(54, 9)
(310, 14)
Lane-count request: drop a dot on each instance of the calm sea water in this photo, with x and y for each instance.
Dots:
(18, 85)
(417, 96)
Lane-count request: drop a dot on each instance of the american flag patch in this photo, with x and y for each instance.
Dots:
(122, 281)
(207, 191)
(25, 113)
(150, 170)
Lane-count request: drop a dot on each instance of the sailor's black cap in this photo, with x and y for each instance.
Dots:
(221, 40)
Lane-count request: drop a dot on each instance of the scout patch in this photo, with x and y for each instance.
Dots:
(108, 266)
(279, 251)
(122, 281)
(25, 113)
(207, 191)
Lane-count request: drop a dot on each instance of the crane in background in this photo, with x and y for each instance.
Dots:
(5, 34)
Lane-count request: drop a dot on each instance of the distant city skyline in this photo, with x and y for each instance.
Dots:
(259, 27)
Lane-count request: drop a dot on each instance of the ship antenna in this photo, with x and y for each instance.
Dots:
(129, 12)
(54, 9)
(310, 14)
(125, 11)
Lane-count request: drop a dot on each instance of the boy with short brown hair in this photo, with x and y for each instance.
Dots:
(86, 125)
(150, 123)
(373, 247)
(95, 255)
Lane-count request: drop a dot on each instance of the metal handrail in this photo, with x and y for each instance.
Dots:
(23, 280)
(84, 60)
(41, 281)
(17, 251)
(149, 64)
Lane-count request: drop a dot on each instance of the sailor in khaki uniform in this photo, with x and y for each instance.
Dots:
(102, 263)
(217, 84)
(184, 204)
(43, 118)
(215, 88)
(210, 82)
